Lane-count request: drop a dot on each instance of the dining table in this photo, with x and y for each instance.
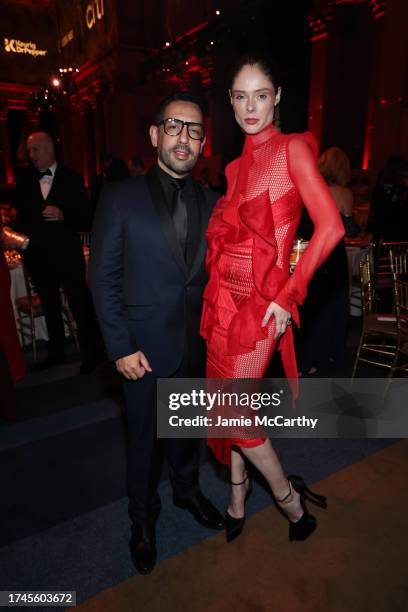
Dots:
(18, 289)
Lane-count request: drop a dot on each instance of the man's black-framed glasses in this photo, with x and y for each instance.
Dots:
(173, 127)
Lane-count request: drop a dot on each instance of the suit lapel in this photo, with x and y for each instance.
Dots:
(200, 220)
(159, 201)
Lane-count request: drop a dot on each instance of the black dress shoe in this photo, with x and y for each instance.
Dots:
(203, 511)
(143, 547)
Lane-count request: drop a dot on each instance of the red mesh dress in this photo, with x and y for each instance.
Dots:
(250, 237)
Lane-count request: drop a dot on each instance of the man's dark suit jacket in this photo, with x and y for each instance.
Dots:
(145, 297)
(67, 193)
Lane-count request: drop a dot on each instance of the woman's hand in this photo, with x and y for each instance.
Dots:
(282, 318)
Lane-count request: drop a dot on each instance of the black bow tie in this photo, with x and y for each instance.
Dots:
(46, 172)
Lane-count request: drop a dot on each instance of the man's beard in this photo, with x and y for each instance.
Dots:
(178, 166)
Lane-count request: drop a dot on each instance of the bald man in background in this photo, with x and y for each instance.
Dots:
(52, 207)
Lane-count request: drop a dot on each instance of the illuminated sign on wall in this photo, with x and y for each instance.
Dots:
(11, 45)
(67, 38)
(94, 11)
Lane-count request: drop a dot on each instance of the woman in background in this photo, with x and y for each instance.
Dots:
(335, 168)
(250, 300)
(389, 204)
(325, 313)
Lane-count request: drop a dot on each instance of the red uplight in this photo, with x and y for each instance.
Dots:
(197, 28)
(367, 148)
(319, 36)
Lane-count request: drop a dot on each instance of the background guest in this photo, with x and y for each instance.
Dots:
(325, 311)
(52, 207)
(135, 166)
(113, 169)
(389, 203)
(335, 168)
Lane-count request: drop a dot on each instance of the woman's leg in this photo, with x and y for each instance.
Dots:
(262, 456)
(265, 459)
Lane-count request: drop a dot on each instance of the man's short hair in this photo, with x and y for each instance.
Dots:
(180, 96)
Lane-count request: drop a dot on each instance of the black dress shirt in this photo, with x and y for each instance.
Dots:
(190, 196)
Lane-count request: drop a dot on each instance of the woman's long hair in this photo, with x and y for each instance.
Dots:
(334, 166)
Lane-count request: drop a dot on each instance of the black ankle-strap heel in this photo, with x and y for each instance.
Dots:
(300, 486)
(306, 525)
(234, 526)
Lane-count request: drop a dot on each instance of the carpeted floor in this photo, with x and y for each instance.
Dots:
(64, 523)
(355, 562)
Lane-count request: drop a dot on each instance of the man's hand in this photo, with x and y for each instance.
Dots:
(133, 366)
(282, 318)
(52, 213)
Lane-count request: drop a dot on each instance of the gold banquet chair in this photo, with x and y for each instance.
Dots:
(383, 268)
(378, 340)
(399, 268)
(401, 306)
(399, 264)
(29, 307)
(85, 238)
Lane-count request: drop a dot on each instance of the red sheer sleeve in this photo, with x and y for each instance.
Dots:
(328, 227)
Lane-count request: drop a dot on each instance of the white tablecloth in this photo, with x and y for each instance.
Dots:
(18, 289)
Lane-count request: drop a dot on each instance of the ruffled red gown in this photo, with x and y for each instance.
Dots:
(250, 236)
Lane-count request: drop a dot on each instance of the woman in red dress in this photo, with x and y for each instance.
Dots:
(250, 299)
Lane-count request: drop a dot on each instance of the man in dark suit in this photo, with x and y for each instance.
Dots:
(52, 207)
(147, 277)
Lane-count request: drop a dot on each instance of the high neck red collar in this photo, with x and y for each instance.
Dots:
(258, 139)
